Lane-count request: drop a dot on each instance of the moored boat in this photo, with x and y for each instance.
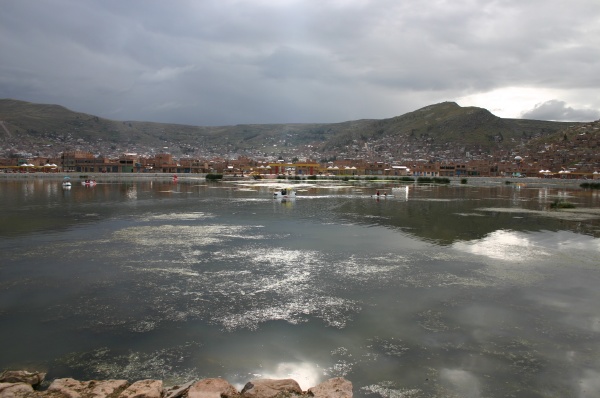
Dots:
(285, 193)
(381, 195)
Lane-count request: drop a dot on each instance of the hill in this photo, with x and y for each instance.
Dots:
(446, 127)
(440, 128)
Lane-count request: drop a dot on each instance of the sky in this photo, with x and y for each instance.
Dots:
(226, 62)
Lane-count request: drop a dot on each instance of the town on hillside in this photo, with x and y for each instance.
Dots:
(575, 154)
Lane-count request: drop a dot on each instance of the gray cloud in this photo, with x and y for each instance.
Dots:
(560, 111)
(257, 61)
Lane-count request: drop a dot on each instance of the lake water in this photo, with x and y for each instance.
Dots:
(466, 291)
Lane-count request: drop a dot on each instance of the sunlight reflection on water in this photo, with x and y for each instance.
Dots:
(505, 245)
(428, 296)
(305, 373)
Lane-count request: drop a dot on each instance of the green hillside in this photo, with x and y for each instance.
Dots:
(449, 123)
(440, 125)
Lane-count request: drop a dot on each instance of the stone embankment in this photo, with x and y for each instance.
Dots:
(24, 384)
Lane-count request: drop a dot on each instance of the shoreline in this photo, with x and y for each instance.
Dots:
(471, 181)
(26, 384)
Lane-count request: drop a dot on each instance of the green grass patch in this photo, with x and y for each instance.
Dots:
(590, 185)
(214, 177)
(561, 204)
(434, 180)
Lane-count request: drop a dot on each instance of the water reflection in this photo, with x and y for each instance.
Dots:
(461, 383)
(131, 193)
(434, 291)
(521, 247)
(307, 374)
(505, 245)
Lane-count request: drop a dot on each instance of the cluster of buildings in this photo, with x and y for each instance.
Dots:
(574, 155)
(87, 163)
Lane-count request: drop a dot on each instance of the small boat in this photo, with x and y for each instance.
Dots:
(88, 183)
(380, 195)
(66, 182)
(285, 193)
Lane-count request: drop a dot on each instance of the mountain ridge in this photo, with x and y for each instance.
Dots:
(443, 127)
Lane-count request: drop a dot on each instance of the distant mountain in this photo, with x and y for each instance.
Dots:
(440, 127)
(446, 126)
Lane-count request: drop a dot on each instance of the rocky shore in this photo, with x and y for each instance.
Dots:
(25, 384)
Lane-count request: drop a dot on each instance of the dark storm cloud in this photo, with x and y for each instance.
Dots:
(225, 62)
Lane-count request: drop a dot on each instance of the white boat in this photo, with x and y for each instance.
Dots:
(382, 195)
(66, 183)
(284, 193)
(88, 183)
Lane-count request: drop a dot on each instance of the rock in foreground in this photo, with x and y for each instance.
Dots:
(22, 384)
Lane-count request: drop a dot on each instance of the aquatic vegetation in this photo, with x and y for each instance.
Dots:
(434, 180)
(561, 204)
(590, 185)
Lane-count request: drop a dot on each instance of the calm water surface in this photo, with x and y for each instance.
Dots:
(434, 291)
